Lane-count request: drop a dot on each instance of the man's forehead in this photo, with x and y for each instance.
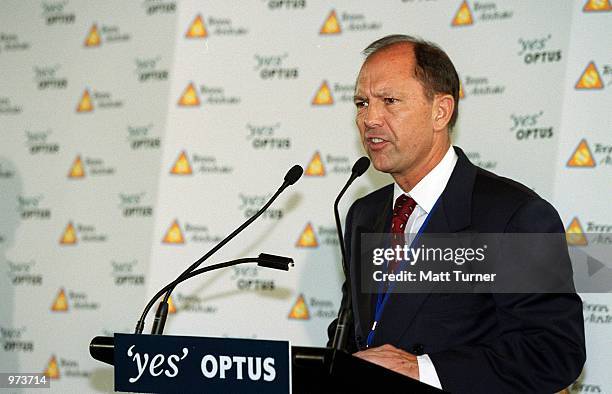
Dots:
(383, 76)
(401, 52)
(398, 56)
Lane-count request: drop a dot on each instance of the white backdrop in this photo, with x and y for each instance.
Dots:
(135, 135)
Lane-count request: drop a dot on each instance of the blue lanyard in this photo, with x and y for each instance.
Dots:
(381, 299)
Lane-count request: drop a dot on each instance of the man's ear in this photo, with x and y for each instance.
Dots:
(442, 111)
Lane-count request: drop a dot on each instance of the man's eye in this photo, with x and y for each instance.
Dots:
(361, 104)
(390, 100)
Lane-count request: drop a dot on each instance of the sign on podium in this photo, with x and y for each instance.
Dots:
(163, 364)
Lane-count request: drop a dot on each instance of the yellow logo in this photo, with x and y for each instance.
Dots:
(590, 78)
(463, 17)
(174, 235)
(308, 238)
(52, 370)
(461, 92)
(69, 236)
(85, 104)
(181, 165)
(93, 37)
(197, 28)
(331, 24)
(315, 167)
(323, 96)
(582, 156)
(171, 307)
(597, 5)
(574, 234)
(299, 310)
(189, 98)
(77, 170)
(61, 302)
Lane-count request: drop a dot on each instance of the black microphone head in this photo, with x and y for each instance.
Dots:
(361, 166)
(293, 174)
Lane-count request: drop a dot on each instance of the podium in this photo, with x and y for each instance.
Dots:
(311, 369)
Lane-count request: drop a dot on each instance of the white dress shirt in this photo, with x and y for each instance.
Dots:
(426, 193)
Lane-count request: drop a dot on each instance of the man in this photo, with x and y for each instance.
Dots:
(407, 102)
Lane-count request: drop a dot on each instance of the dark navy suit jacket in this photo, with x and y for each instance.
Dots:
(502, 343)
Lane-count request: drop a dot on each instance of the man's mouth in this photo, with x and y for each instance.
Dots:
(375, 143)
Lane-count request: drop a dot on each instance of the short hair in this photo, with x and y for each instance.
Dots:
(434, 69)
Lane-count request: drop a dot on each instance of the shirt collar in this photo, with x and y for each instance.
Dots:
(429, 189)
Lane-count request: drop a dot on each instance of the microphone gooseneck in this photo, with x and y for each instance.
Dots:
(263, 260)
(359, 168)
(346, 313)
(292, 176)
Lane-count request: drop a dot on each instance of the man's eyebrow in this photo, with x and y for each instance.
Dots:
(358, 97)
(384, 92)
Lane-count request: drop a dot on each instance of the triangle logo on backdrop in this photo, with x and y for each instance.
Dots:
(197, 29)
(60, 304)
(463, 17)
(597, 6)
(174, 235)
(85, 104)
(190, 97)
(171, 307)
(331, 24)
(590, 78)
(77, 170)
(69, 236)
(308, 238)
(299, 311)
(181, 165)
(582, 156)
(315, 166)
(323, 95)
(574, 234)
(93, 37)
(52, 370)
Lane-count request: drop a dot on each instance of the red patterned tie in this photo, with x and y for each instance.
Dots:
(402, 210)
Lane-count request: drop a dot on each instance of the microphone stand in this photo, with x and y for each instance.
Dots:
(161, 314)
(263, 260)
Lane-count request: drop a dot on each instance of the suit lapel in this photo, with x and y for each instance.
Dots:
(401, 308)
(452, 213)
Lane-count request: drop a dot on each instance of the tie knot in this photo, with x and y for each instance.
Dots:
(403, 205)
(402, 210)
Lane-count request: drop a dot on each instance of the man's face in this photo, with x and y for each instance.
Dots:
(394, 117)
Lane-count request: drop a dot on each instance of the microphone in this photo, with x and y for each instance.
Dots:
(292, 175)
(290, 178)
(263, 260)
(346, 313)
(359, 168)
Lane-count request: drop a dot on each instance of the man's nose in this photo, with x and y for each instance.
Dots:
(373, 116)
